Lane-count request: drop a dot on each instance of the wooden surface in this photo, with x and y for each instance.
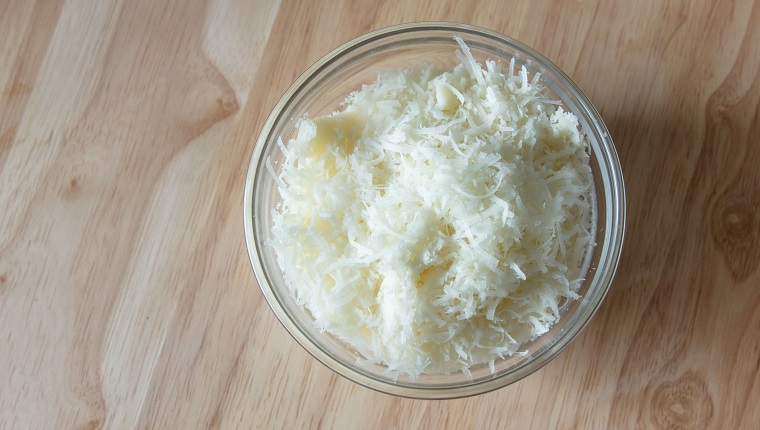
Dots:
(126, 295)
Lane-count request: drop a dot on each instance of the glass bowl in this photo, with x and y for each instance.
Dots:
(320, 90)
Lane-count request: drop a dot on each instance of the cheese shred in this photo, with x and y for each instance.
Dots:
(438, 221)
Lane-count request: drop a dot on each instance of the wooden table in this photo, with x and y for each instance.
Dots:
(126, 295)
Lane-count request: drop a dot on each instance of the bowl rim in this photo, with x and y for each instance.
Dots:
(608, 266)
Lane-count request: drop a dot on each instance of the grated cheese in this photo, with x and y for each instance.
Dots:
(440, 219)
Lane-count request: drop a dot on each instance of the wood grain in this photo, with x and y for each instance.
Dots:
(126, 296)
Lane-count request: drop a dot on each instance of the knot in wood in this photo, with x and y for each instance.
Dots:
(735, 230)
(683, 403)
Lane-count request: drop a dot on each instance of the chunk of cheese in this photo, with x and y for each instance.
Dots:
(438, 221)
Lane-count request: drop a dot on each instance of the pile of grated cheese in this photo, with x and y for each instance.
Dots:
(440, 219)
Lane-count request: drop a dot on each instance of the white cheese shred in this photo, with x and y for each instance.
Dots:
(439, 221)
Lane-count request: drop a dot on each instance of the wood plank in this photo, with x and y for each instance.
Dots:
(126, 295)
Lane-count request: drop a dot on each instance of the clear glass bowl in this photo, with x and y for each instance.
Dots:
(320, 90)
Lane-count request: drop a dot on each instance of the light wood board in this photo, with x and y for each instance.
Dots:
(126, 295)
